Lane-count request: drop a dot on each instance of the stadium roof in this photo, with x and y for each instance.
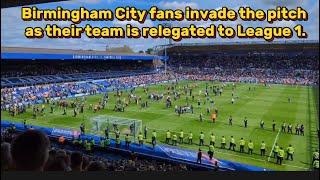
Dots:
(296, 46)
(63, 54)
(62, 51)
(15, 3)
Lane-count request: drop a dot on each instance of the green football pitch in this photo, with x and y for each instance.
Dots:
(263, 103)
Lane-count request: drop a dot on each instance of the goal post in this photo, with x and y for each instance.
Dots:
(132, 127)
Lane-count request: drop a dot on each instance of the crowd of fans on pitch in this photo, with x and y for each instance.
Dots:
(31, 151)
(37, 68)
(262, 69)
(21, 96)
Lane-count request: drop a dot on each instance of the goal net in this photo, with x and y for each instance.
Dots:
(132, 127)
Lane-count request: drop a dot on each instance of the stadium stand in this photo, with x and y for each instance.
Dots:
(279, 63)
(32, 82)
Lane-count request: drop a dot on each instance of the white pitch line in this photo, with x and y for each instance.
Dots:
(274, 143)
(219, 152)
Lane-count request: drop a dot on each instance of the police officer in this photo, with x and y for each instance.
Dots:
(168, 137)
(190, 136)
(201, 137)
(242, 143)
(250, 147)
(212, 139)
(290, 152)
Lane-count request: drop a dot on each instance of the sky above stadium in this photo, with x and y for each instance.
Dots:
(12, 26)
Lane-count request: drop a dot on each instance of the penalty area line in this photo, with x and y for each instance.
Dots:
(274, 143)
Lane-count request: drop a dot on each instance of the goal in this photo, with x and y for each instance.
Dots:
(132, 127)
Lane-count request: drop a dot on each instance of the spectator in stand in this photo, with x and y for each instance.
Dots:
(85, 163)
(76, 161)
(30, 151)
(6, 159)
(96, 166)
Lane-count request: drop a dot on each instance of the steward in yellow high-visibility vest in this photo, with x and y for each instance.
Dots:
(79, 142)
(290, 152)
(108, 141)
(140, 139)
(190, 136)
(181, 137)
(154, 140)
(168, 137)
(223, 142)
(118, 142)
(276, 150)
(250, 147)
(263, 148)
(102, 144)
(315, 155)
(212, 139)
(280, 156)
(315, 165)
(88, 147)
(117, 133)
(232, 143)
(211, 151)
(201, 137)
(242, 143)
(127, 140)
(174, 139)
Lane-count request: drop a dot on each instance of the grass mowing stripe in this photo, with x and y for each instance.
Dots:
(273, 145)
(261, 101)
